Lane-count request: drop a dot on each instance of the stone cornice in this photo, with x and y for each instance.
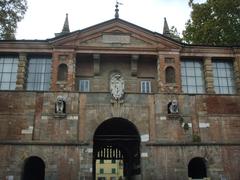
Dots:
(43, 143)
(193, 144)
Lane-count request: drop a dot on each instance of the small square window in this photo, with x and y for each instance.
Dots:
(113, 171)
(84, 85)
(101, 171)
(145, 86)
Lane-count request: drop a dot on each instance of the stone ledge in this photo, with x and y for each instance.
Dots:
(192, 144)
(42, 143)
(60, 115)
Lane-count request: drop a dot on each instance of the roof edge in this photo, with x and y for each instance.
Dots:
(49, 40)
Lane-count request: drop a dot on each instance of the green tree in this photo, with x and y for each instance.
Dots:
(11, 12)
(175, 34)
(215, 22)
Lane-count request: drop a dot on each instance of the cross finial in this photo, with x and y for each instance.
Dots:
(117, 10)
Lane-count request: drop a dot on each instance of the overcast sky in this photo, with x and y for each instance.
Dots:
(46, 17)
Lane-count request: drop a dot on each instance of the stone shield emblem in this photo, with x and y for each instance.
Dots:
(117, 86)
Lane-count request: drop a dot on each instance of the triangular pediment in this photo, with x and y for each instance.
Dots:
(115, 38)
(113, 34)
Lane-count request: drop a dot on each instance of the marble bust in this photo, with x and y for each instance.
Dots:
(60, 105)
(173, 107)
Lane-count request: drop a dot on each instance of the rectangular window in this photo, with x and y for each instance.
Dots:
(39, 73)
(101, 161)
(113, 171)
(101, 171)
(223, 75)
(8, 72)
(84, 85)
(113, 161)
(192, 76)
(145, 86)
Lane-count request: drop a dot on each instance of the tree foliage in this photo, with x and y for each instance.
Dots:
(175, 34)
(215, 22)
(11, 12)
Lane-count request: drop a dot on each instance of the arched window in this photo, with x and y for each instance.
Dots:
(197, 168)
(34, 168)
(62, 72)
(170, 75)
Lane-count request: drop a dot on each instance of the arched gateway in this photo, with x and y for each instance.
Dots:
(118, 139)
(34, 169)
(197, 168)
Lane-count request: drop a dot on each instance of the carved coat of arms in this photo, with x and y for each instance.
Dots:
(117, 86)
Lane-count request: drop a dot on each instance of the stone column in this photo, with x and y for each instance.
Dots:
(152, 118)
(82, 117)
(177, 66)
(96, 64)
(237, 73)
(208, 74)
(54, 71)
(194, 119)
(38, 116)
(160, 78)
(21, 74)
(72, 71)
(134, 63)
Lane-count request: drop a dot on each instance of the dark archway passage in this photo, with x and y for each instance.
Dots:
(118, 139)
(197, 168)
(34, 169)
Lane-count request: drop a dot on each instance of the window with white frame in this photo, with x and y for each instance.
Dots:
(8, 72)
(223, 75)
(192, 76)
(145, 86)
(84, 85)
(39, 73)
